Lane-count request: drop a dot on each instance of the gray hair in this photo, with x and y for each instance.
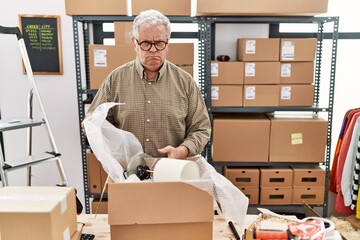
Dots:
(150, 18)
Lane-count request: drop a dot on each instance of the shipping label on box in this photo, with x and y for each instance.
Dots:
(297, 73)
(262, 73)
(258, 49)
(227, 73)
(261, 95)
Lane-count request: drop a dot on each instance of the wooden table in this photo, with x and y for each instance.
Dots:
(100, 227)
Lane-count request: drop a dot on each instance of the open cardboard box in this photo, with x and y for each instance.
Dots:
(159, 211)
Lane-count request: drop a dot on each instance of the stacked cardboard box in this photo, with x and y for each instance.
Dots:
(40, 213)
(276, 186)
(247, 180)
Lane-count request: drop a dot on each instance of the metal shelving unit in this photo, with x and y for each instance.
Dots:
(274, 23)
(88, 28)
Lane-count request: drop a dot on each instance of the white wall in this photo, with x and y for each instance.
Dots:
(58, 92)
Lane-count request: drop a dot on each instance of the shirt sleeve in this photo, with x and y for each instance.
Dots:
(198, 126)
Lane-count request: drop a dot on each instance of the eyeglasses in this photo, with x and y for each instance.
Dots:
(146, 45)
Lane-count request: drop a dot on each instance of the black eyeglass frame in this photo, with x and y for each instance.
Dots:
(151, 44)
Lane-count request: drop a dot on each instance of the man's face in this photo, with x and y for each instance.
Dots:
(152, 59)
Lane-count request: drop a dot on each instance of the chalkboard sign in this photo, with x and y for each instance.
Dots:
(43, 42)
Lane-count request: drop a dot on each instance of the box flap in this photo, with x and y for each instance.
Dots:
(155, 203)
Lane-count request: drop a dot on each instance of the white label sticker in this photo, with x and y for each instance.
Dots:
(288, 50)
(285, 93)
(214, 69)
(66, 234)
(100, 58)
(250, 92)
(286, 70)
(215, 93)
(250, 47)
(250, 69)
(296, 138)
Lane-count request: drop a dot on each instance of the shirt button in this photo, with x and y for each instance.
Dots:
(149, 83)
(149, 101)
(147, 140)
(148, 120)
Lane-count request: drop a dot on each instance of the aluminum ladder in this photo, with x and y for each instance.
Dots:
(28, 123)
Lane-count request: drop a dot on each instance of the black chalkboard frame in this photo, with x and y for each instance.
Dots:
(53, 59)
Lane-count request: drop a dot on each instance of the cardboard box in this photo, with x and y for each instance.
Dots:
(123, 32)
(276, 177)
(262, 73)
(242, 177)
(167, 7)
(297, 49)
(189, 69)
(96, 174)
(309, 177)
(261, 7)
(227, 73)
(275, 196)
(261, 96)
(252, 193)
(241, 139)
(98, 207)
(227, 95)
(297, 73)
(297, 138)
(160, 211)
(297, 95)
(40, 213)
(95, 7)
(310, 195)
(105, 58)
(258, 49)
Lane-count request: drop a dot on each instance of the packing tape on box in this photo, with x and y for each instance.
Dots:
(170, 170)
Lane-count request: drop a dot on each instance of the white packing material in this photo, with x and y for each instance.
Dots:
(113, 147)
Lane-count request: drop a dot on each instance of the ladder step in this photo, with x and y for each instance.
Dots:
(18, 123)
(31, 160)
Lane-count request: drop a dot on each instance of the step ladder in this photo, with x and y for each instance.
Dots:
(28, 123)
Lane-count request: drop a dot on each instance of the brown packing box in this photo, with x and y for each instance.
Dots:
(40, 213)
(297, 138)
(252, 193)
(99, 207)
(167, 7)
(160, 211)
(297, 49)
(301, 95)
(275, 195)
(261, 95)
(105, 58)
(95, 7)
(261, 7)
(123, 32)
(258, 49)
(227, 95)
(96, 174)
(310, 195)
(276, 177)
(227, 73)
(262, 73)
(297, 73)
(244, 138)
(309, 177)
(242, 177)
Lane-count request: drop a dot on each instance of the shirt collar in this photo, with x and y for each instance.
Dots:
(142, 73)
